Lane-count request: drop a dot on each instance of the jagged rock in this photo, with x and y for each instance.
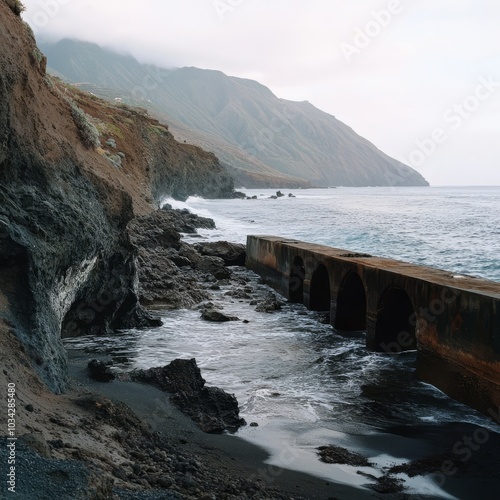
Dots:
(233, 254)
(269, 304)
(181, 375)
(165, 263)
(153, 231)
(332, 454)
(180, 261)
(100, 371)
(238, 294)
(240, 195)
(211, 408)
(217, 316)
(185, 221)
(215, 266)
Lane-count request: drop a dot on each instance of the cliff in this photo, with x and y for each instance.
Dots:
(74, 171)
(265, 139)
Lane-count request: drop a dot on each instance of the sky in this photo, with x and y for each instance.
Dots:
(418, 78)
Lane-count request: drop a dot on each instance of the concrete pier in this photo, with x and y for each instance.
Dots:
(452, 321)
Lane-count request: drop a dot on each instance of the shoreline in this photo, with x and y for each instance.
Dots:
(229, 452)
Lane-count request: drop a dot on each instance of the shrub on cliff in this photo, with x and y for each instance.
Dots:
(16, 6)
(88, 131)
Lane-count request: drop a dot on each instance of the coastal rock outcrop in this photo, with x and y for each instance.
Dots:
(233, 254)
(213, 409)
(171, 272)
(100, 371)
(67, 265)
(269, 304)
(217, 316)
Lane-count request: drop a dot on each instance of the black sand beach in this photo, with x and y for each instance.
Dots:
(226, 454)
(453, 456)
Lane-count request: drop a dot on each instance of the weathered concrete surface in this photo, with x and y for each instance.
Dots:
(453, 321)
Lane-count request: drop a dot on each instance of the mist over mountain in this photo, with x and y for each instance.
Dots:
(261, 139)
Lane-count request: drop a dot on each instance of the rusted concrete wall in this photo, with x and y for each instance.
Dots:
(454, 321)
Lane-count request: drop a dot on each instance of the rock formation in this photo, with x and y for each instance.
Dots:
(74, 171)
(213, 409)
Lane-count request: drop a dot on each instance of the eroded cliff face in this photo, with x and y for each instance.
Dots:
(66, 260)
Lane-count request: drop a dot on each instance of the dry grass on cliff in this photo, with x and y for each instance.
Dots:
(16, 6)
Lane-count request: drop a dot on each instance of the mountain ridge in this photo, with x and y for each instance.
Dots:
(273, 137)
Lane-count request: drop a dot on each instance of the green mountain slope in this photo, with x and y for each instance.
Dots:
(257, 134)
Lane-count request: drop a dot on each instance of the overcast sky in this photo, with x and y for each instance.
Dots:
(418, 78)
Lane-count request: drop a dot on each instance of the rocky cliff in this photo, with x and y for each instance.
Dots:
(74, 172)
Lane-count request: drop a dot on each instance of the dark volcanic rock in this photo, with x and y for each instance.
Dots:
(214, 266)
(181, 375)
(426, 465)
(186, 222)
(100, 371)
(269, 304)
(217, 316)
(233, 254)
(386, 484)
(154, 230)
(211, 408)
(336, 455)
(166, 264)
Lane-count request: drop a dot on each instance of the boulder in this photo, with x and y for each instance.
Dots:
(233, 254)
(332, 454)
(213, 409)
(186, 222)
(239, 195)
(269, 304)
(181, 375)
(217, 316)
(215, 266)
(100, 371)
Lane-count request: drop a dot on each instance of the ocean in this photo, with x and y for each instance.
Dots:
(452, 228)
(303, 383)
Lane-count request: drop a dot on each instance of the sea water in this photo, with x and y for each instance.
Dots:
(456, 229)
(305, 384)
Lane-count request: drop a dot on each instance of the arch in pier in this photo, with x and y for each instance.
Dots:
(319, 294)
(396, 321)
(351, 304)
(296, 282)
